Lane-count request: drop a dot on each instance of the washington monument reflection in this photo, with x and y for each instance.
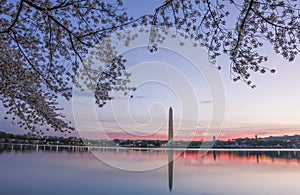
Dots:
(170, 168)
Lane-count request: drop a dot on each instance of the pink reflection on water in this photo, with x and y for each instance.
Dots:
(78, 170)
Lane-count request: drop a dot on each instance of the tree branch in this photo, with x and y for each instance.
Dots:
(16, 18)
(243, 24)
(273, 24)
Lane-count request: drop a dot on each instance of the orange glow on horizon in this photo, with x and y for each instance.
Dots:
(224, 135)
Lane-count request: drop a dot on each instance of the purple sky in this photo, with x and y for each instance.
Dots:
(273, 107)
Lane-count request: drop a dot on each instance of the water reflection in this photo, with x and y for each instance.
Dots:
(190, 157)
(170, 168)
(258, 155)
(216, 155)
(41, 148)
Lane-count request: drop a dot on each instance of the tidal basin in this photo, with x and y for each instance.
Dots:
(78, 170)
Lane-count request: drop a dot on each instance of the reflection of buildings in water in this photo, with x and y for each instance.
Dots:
(15, 147)
(215, 155)
(188, 157)
(218, 156)
(170, 168)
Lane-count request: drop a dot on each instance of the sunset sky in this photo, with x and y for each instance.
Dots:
(272, 108)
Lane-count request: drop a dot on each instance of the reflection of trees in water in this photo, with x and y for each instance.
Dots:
(28, 148)
(41, 148)
(190, 154)
(286, 155)
(258, 155)
(275, 155)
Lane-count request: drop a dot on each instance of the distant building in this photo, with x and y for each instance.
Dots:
(170, 133)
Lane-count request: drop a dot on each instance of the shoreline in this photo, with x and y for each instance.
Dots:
(155, 148)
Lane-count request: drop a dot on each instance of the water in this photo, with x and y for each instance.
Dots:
(76, 170)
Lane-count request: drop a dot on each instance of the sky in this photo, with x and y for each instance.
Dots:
(169, 78)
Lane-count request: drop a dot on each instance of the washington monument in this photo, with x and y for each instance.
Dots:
(170, 152)
(170, 140)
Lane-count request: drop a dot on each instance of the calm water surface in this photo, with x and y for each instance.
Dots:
(77, 170)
